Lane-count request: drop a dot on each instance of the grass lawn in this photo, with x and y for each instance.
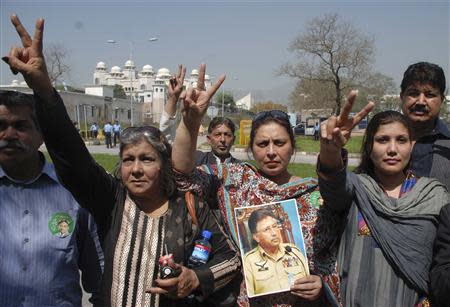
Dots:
(306, 143)
(107, 161)
(299, 169)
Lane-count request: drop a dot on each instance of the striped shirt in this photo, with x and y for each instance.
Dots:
(135, 266)
(39, 260)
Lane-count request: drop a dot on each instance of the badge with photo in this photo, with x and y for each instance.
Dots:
(272, 245)
(61, 224)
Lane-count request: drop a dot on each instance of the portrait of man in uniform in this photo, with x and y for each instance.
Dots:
(272, 259)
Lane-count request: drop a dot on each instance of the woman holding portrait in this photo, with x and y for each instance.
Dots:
(272, 145)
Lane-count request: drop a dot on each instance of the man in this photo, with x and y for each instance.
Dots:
(107, 130)
(273, 265)
(63, 227)
(221, 138)
(94, 130)
(220, 130)
(46, 237)
(316, 131)
(422, 95)
(116, 131)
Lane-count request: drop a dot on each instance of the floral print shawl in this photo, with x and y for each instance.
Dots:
(234, 185)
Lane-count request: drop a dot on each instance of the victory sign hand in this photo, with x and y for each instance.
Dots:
(176, 83)
(335, 132)
(29, 59)
(197, 99)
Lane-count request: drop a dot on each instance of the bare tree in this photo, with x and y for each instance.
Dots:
(312, 94)
(55, 58)
(331, 50)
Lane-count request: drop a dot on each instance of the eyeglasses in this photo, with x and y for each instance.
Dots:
(131, 132)
(277, 114)
(274, 227)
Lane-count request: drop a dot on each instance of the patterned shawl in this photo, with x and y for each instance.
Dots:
(238, 185)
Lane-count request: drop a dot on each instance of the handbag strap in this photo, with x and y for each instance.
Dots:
(190, 203)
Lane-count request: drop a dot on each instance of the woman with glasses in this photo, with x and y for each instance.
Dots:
(140, 214)
(272, 145)
(386, 245)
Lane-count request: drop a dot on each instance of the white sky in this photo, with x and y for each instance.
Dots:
(247, 40)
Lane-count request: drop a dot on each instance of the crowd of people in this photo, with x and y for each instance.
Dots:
(375, 236)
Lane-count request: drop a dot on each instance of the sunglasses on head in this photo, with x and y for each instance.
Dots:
(149, 131)
(277, 114)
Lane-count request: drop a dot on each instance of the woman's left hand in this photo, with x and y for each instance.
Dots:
(177, 287)
(309, 287)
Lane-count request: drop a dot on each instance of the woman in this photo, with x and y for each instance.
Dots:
(140, 215)
(386, 246)
(272, 144)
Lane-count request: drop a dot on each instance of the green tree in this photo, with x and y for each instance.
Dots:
(228, 99)
(380, 89)
(331, 50)
(119, 92)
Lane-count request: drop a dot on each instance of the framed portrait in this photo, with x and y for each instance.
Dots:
(272, 246)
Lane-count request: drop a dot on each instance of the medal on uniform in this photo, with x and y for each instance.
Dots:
(262, 266)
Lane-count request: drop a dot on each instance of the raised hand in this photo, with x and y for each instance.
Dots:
(29, 59)
(176, 83)
(335, 132)
(197, 99)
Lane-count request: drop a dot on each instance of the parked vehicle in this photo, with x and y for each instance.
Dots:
(363, 124)
(311, 122)
(299, 129)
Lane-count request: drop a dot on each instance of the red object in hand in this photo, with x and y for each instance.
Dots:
(168, 268)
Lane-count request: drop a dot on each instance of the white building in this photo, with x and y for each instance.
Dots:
(245, 102)
(148, 89)
(97, 106)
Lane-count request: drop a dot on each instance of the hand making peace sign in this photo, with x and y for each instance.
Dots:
(197, 99)
(29, 59)
(176, 83)
(335, 132)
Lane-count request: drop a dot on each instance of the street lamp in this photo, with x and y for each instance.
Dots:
(111, 41)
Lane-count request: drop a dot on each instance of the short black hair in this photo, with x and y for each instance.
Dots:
(424, 73)
(12, 99)
(217, 121)
(63, 221)
(257, 216)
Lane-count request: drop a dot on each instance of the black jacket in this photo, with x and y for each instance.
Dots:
(103, 196)
(440, 267)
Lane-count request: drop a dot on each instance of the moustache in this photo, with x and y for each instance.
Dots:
(419, 108)
(12, 144)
